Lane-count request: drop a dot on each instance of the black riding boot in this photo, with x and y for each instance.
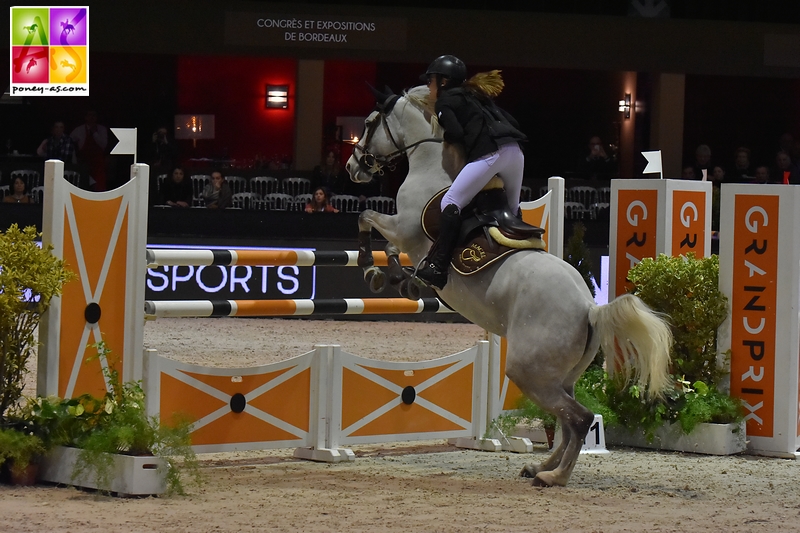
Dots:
(434, 269)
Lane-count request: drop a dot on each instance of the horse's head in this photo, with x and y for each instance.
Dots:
(385, 137)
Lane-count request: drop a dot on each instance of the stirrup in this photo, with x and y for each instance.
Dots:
(438, 279)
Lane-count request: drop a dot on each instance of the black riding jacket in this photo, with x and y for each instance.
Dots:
(475, 122)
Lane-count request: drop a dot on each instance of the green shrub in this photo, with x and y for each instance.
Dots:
(19, 449)
(29, 277)
(687, 290)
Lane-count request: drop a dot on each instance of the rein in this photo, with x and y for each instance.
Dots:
(372, 163)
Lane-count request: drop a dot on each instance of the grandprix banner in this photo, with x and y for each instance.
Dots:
(49, 51)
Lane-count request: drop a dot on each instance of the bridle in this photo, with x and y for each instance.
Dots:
(373, 163)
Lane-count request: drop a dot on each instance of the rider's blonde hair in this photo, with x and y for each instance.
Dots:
(487, 83)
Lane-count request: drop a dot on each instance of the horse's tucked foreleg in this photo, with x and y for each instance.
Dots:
(398, 277)
(396, 273)
(373, 275)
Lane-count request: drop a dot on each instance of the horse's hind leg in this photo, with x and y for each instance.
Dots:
(575, 421)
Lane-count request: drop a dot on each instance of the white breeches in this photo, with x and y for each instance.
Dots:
(507, 162)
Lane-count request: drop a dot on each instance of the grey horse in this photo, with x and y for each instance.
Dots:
(537, 301)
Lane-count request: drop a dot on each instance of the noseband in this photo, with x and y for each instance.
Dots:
(373, 163)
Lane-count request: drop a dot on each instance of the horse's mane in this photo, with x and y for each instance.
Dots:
(418, 97)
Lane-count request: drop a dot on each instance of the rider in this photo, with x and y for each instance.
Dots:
(491, 141)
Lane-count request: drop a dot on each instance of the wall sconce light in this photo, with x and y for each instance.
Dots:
(194, 127)
(351, 128)
(277, 97)
(625, 105)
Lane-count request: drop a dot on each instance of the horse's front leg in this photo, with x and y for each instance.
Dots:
(385, 224)
(398, 277)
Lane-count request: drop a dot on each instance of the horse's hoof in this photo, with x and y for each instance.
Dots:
(409, 290)
(376, 280)
(546, 479)
(529, 471)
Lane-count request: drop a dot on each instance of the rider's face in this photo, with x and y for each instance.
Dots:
(433, 87)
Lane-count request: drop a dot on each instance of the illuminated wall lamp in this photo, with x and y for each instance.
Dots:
(194, 127)
(625, 105)
(277, 97)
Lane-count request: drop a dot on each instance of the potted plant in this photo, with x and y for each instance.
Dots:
(109, 443)
(19, 455)
(30, 276)
(687, 290)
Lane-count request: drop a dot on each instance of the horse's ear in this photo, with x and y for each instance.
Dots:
(379, 96)
(385, 100)
(388, 105)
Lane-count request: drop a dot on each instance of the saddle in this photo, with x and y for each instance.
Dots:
(489, 230)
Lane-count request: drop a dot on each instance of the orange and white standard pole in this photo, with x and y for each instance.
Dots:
(760, 275)
(655, 216)
(102, 237)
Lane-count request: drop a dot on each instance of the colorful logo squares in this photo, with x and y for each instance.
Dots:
(49, 46)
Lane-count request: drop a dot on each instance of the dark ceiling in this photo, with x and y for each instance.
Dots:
(772, 11)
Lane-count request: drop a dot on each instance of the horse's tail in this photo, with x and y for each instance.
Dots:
(634, 337)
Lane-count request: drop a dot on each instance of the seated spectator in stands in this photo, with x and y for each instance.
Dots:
(702, 162)
(762, 175)
(177, 190)
(785, 172)
(217, 194)
(786, 143)
(58, 145)
(161, 155)
(717, 176)
(743, 171)
(329, 174)
(688, 173)
(19, 193)
(598, 163)
(319, 202)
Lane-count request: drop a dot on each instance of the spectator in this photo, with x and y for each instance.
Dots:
(702, 162)
(320, 203)
(762, 175)
(19, 193)
(329, 174)
(717, 176)
(688, 173)
(162, 152)
(177, 190)
(785, 172)
(743, 171)
(217, 194)
(58, 145)
(786, 143)
(91, 140)
(598, 164)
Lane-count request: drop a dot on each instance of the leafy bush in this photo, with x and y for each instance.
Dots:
(19, 449)
(29, 277)
(687, 290)
(577, 255)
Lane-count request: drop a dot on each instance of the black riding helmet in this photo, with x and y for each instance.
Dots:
(449, 67)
